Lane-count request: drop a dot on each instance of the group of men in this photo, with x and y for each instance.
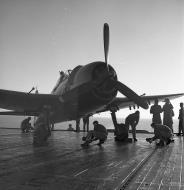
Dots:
(164, 132)
(100, 132)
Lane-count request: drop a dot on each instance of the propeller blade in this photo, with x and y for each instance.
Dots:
(123, 89)
(106, 41)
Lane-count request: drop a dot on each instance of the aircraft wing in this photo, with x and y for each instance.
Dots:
(121, 103)
(21, 103)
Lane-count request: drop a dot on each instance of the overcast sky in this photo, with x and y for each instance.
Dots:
(40, 37)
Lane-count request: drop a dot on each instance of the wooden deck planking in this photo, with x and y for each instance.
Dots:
(63, 164)
(164, 170)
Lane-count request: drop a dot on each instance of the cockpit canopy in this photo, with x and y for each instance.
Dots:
(66, 78)
(63, 76)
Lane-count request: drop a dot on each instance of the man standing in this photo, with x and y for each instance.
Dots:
(132, 120)
(156, 110)
(77, 125)
(181, 120)
(86, 123)
(168, 114)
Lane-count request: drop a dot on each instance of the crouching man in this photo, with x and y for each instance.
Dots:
(121, 132)
(163, 133)
(99, 133)
(26, 125)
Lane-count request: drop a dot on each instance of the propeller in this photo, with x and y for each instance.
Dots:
(106, 42)
(123, 89)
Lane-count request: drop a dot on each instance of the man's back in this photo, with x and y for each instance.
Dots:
(100, 128)
(156, 109)
(163, 129)
(100, 131)
(132, 118)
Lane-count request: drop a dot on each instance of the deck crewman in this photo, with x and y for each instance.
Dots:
(156, 110)
(168, 114)
(99, 133)
(181, 120)
(132, 120)
(161, 132)
(26, 125)
(86, 123)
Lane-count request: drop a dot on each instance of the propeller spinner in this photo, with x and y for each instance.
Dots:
(123, 89)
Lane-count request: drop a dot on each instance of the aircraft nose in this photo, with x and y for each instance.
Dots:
(100, 73)
(101, 78)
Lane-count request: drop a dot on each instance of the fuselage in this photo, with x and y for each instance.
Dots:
(85, 90)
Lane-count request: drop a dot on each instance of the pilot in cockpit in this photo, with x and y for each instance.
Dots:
(62, 76)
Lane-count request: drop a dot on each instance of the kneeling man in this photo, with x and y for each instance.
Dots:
(99, 133)
(162, 132)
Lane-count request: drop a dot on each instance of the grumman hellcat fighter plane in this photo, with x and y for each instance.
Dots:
(87, 89)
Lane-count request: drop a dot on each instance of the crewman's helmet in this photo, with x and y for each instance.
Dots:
(153, 124)
(137, 112)
(95, 122)
(167, 100)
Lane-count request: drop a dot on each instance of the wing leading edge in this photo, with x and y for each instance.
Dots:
(122, 103)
